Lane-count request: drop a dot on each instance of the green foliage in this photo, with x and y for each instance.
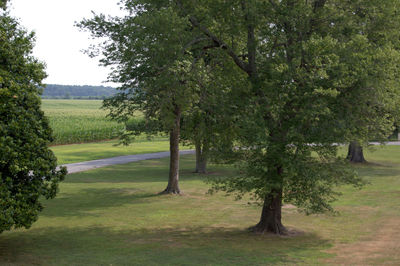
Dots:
(27, 167)
(321, 72)
(3, 4)
(152, 67)
(302, 76)
(210, 116)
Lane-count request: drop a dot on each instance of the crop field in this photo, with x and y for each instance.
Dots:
(76, 121)
(80, 121)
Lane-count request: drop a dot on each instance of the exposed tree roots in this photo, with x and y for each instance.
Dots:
(277, 229)
(170, 191)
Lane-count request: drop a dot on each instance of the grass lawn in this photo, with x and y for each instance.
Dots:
(113, 216)
(74, 153)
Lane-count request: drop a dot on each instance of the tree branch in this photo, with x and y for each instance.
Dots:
(273, 4)
(221, 44)
(251, 40)
(195, 41)
(318, 4)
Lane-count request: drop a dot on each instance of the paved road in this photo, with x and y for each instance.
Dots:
(395, 143)
(84, 166)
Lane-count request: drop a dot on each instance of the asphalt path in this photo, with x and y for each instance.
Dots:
(390, 143)
(88, 165)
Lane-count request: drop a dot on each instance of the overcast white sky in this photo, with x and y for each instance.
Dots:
(58, 43)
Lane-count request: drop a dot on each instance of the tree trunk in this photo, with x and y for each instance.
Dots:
(201, 157)
(271, 215)
(173, 180)
(355, 153)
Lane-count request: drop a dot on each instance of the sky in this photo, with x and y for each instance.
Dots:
(59, 43)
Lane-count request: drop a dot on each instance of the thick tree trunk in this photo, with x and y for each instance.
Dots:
(173, 180)
(271, 216)
(201, 158)
(355, 153)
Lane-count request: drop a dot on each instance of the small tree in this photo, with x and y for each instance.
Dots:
(154, 69)
(27, 166)
(209, 116)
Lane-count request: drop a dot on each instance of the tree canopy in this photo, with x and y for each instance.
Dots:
(27, 166)
(308, 74)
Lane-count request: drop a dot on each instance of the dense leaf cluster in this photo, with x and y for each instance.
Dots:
(27, 166)
(288, 79)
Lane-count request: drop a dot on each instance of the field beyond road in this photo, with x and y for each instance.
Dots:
(113, 215)
(77, 121)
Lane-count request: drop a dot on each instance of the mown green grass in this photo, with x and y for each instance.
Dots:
(114, 216)
(99, 150)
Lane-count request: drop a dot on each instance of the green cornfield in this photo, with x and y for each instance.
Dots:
(78, 121)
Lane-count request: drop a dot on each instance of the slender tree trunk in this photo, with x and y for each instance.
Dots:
(201, 157)
(355, 153)
(271, 215)
(173, 180)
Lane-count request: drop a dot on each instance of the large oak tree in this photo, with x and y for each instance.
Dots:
(313, 73)
(317, 76)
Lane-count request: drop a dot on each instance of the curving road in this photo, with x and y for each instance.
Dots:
(84, 166)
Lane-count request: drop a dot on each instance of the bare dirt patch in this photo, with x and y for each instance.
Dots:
(382, 248)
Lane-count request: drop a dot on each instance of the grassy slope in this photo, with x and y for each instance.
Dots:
(114, 216)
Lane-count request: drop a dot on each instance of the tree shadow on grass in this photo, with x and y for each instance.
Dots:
(85, 201)
(377, 168)
(137, 173)
(377, 171)
(155, 246)
(128, 175)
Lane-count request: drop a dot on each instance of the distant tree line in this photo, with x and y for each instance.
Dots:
(56, 91)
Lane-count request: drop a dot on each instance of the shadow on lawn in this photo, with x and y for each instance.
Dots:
(129, 175)
(188, 246)
(155, 170)
(377, 171)
(91, 199)
(141, 173)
